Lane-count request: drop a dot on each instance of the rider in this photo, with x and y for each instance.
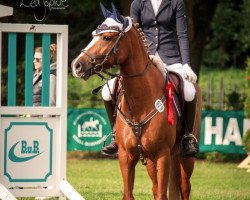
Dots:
(164, 25)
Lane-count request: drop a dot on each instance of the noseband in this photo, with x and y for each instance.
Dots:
(98, 67)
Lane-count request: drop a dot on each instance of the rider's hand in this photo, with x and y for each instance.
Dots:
(189, 74)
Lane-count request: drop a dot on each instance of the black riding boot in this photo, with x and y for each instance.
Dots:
(189, 144)
(112, 148)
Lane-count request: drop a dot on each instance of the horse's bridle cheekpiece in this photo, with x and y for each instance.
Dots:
(97, 67)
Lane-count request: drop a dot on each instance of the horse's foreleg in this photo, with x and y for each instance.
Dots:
(151, 168)
(187, 166)
(127, 166)
(162, 167)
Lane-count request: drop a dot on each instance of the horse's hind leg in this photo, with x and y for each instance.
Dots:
(186, 166)
(151, 168)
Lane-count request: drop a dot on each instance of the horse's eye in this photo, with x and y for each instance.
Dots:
(106, 38)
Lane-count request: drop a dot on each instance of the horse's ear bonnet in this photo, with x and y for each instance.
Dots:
(106, 13)
(118, 16)
(114, 21)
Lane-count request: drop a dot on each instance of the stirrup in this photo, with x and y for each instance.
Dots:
(106, 137)
(104, 153)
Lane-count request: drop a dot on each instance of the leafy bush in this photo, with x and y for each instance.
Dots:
(247, 101)
(222, 89)
(79, 93)
(221, 157)
(235, 100)
(246, 137)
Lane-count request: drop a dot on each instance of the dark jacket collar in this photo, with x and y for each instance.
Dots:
(163, 5)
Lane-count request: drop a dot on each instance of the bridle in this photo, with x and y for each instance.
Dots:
(97, 67)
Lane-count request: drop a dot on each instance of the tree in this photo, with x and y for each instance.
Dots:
(77, 16)
(125, 5)
(200, 14)
(228, 42)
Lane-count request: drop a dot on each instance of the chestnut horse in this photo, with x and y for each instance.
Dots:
(138, 133)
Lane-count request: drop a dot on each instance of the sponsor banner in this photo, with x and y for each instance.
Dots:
(87, 129)
(27, 148)
(223, 131)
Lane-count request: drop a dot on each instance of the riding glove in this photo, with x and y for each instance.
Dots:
(189, 74)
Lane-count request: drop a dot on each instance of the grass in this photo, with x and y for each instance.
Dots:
(220, 181)
(98, 179)
(102, 180)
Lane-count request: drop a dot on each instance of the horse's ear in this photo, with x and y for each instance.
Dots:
(106, 13)
(116, 13)
(119, 17)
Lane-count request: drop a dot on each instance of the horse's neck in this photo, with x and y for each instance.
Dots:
(146, 84)
(143, 90)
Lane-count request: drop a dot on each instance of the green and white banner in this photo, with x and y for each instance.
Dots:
(222, 131)
(87, 129)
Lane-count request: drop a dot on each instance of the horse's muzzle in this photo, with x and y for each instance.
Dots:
(78, 70)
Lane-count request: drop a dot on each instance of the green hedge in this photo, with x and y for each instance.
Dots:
(247, 102)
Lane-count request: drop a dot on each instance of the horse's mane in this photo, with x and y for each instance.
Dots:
(142, 36)
(155, 59)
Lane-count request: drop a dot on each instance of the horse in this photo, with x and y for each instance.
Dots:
(142, 132)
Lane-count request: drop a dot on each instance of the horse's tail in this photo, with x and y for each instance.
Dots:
(174, 176)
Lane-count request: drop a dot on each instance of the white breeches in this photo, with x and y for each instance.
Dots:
(107, 89)
(189, 89)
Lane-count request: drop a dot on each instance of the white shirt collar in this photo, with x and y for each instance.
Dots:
(156, 4)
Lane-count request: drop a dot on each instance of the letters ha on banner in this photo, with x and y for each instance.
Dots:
(223, 131)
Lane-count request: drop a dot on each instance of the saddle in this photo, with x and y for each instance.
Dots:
(179, 103)
(172, 77)
(177, 81)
